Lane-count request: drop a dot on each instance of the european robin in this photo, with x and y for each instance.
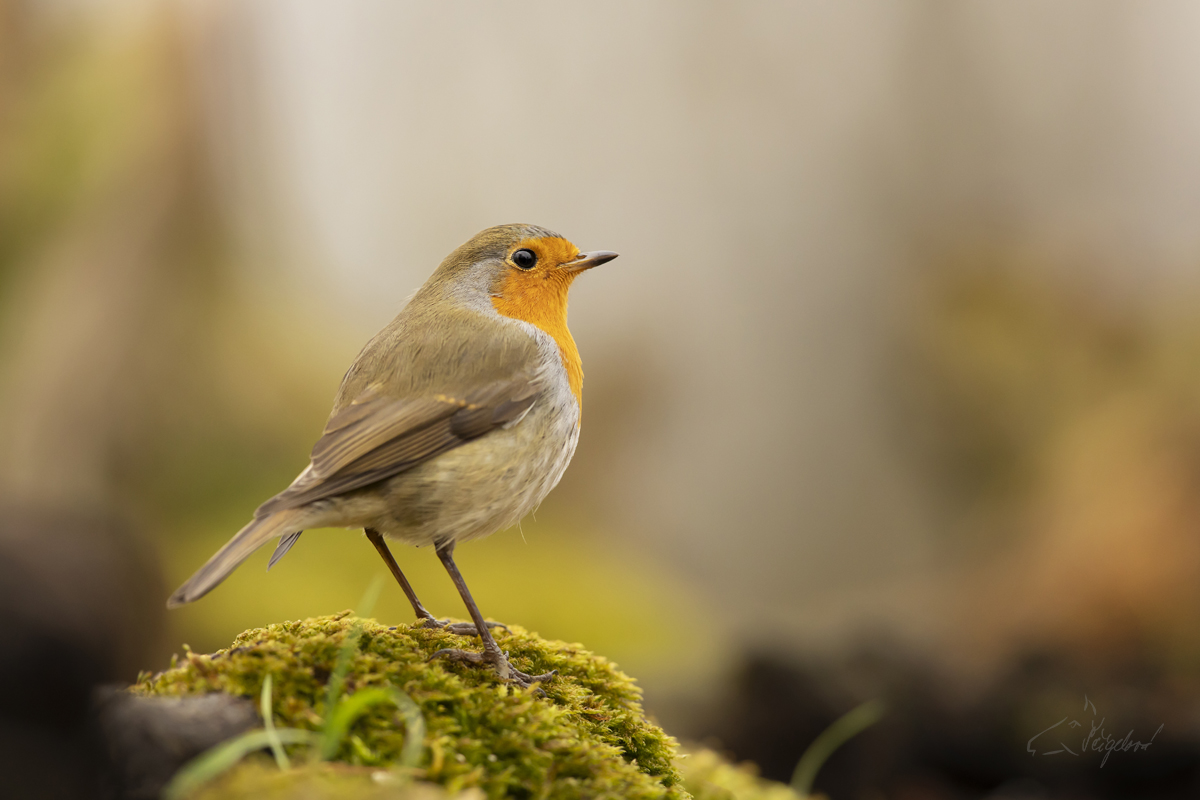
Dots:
(454, 422)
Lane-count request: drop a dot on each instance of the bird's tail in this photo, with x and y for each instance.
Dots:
(235, 551)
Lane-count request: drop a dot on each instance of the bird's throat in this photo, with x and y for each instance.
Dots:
(540, 298)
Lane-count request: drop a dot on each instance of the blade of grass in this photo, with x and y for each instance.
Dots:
(216, 760)
(414, 729)
(264, 703)
(367, 603)
(354, 706)
(841, 731)
(337, 678)
(338, 723)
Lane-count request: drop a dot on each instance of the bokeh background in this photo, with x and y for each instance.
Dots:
(894, 390)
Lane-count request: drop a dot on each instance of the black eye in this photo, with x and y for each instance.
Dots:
(525, 259)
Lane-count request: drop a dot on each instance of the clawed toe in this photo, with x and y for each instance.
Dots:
(525, 681)
(454, 654)
(469, 629)
(504, 670)
(458, 628)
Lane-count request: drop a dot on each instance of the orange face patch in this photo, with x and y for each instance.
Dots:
(539, 296)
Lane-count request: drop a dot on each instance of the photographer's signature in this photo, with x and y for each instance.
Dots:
(1097, 739)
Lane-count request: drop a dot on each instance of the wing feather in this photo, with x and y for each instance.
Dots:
(376, 436)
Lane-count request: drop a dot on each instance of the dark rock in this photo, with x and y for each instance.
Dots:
(148, 738)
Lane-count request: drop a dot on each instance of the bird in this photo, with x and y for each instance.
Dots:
(452, 423)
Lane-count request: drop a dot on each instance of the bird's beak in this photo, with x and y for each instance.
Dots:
(588, 260)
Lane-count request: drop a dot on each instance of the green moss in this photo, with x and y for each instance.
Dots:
(709, 777)
(587, 737)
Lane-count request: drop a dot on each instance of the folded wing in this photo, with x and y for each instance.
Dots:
(377, 436)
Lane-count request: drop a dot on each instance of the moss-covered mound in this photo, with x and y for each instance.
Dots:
(706, 776)
(587, 737)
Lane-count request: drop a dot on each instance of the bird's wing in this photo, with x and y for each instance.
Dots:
(377, 436)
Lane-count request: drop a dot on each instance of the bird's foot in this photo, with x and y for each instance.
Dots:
(457, 628)
(499, 661)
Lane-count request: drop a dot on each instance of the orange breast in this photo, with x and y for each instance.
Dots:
(539, 297)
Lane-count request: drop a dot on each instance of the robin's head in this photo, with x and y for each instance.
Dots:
(522, 272)
(516, 261)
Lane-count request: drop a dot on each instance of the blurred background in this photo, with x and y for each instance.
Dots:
(894, 391)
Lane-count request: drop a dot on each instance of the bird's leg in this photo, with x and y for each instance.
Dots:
(377, 539)
(424, 618)
(492, 654)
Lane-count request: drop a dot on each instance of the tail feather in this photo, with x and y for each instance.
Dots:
(235, 551)
(285, 544)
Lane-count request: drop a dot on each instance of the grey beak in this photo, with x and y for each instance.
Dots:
(592, 259)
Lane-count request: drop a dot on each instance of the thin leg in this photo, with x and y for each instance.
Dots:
(492, 654)
(425, 619)
(380, 545)
(446, 554)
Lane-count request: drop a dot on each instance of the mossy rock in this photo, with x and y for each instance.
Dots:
(587, 737)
